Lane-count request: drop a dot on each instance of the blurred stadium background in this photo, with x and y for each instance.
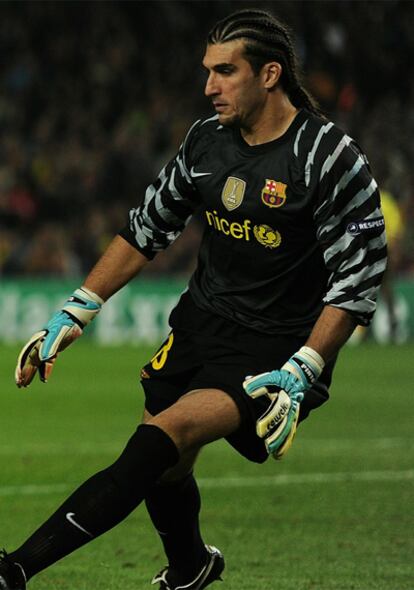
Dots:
(96, 96)
(94, 99)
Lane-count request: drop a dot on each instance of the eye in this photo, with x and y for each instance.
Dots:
(225, 70)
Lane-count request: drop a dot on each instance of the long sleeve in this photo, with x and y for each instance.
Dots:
(168, 205)
(349, 222)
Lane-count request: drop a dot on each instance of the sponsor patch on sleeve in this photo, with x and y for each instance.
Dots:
(357, 227)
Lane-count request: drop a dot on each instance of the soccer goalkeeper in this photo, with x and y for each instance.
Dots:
(291, 260)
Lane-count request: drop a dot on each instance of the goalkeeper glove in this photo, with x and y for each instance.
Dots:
(40, 352)
(285, 388)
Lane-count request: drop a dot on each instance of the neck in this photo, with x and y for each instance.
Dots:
(273, 122)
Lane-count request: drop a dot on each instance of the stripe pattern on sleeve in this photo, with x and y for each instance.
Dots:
(349, 223)
(168, 205)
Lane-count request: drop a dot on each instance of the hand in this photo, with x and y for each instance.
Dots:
(285, 388)
(40, 352)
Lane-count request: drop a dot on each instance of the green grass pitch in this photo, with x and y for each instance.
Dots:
(336, 514)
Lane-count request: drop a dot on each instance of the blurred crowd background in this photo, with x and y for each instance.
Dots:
(95, 97)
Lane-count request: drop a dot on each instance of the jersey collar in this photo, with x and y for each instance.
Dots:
(270, 145)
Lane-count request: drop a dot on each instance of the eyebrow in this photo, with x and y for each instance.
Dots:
(222, 67)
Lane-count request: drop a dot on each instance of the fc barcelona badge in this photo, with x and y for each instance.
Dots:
(274, 193)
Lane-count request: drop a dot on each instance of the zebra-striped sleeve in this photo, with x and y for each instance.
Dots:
(350, 225)
(167, 206)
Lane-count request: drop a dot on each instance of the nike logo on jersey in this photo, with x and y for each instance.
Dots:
(69, 517)
(195, 174)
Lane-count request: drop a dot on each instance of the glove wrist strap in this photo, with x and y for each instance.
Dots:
(314, 358)
(83, 306)
(305, 364)
(92, 295)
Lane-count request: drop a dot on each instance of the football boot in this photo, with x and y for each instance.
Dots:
(11, 574)
(210, 572)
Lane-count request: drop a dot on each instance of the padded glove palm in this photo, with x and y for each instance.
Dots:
(40, 352)
(285, 388)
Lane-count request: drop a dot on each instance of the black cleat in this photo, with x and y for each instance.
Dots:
(210, 572)
(11, 574)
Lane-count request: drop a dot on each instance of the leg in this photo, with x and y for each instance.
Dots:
(101, 502)
(108, 497)
(199, 417)
(174, 506)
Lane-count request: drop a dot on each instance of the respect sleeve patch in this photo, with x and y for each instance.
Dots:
(357, 227)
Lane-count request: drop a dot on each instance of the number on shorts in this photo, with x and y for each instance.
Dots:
(159, 359)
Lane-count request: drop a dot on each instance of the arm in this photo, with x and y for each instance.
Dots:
(120, 263)
(278, 424)
(332, 329)
(116, 267)
(350, 230)
(156, 223)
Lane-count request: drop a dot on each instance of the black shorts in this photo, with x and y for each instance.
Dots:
(216, 353)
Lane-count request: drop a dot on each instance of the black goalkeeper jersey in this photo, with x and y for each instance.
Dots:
(291, 225)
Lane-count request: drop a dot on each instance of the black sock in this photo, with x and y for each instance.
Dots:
(174, 509)
(101, 502)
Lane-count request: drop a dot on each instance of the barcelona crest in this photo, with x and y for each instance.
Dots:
(274, 193)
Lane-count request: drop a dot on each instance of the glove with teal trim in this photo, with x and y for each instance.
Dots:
(40, 352)
(285, 388)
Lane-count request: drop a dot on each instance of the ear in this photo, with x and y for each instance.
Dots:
(271, 74)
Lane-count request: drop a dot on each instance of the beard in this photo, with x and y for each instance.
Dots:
(233, 121)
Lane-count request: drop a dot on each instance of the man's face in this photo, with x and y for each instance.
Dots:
(236, 93)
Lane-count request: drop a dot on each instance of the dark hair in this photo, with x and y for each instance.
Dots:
(266, 39)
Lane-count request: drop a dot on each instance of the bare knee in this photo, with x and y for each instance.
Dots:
(177, 425)
(198, 418)
(180, 428)
(188, 456)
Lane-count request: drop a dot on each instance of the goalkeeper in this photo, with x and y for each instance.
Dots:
(291, 260)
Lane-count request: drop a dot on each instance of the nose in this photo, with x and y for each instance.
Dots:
(211, 88)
